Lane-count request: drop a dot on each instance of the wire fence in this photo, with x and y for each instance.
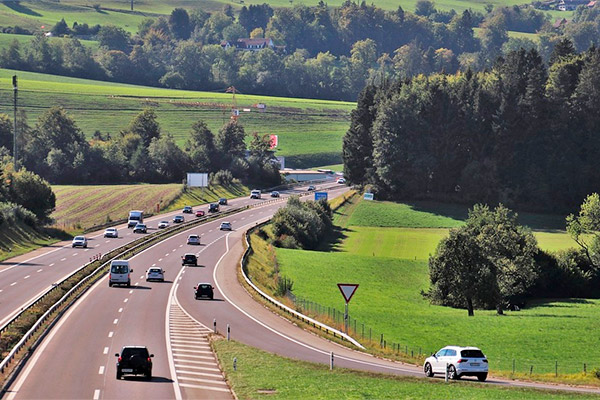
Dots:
(386, 344)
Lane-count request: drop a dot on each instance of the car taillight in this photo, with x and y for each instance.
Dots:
(485, 360)
(120, 358)
(149, 360)
(462, 360)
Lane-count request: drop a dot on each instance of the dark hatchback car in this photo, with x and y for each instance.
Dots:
(178, 219)
(204, 290)
(189, 259)
(213, 207)
(223, 201)
(134, 360)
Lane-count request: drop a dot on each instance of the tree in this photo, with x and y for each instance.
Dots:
(459, 273)
(179, 22)
(145, 125)
(169, 161)
(357, 148)
(234, 32)
(585, 227)
(424, 8)
(61, 28)
(6, 132)
(230, 142)
(117, 64)
(114, 38)
(489, 262)
(31, 191)
(200, 148)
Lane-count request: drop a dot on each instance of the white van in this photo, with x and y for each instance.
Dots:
(135, 217)
(119, 273)
(255, 194)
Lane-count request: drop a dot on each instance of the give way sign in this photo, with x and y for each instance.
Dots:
(347, 290)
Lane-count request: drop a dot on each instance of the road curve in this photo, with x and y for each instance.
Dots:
(77, 360)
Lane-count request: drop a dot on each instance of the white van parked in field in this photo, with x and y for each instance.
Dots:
(120, 273)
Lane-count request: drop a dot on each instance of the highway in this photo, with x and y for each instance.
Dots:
(24, 278)
(77, 358)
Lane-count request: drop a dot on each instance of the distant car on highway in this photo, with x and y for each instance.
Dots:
(140, 228)
(274, 193)
(134, 360)
(311, 188)
(204, 290)
(189, 259)
(341, 180)
(193, 239)
(223, 201)
(155, 274)
(111, 233)
(213, 207)
(255, 194)
(225, 226)
(461, 361)
(79, 241)
(178, 219)
(200, 213)
(187, 210)
(163, 224)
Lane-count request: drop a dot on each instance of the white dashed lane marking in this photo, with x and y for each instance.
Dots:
(115, 321)
(110, 334)
(40, 270)
(120, 310)
(62, 259)
(27, 276)
(105, 350)
(74, 254)
(101, 370)
(131, 292)
(13, 284)
(97, 394)
(51, 265)
(160, 259)
(125, 301)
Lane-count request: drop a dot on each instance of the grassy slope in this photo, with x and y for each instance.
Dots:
(306, 128)
(80, 207)
(17, 239)
(263, 375)
(390, 264)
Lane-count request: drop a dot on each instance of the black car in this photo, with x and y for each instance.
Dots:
(187, 210)
(311, 188)
(203, 290)
(189, 259)
(178, 219)
(134, 360)
(223, 201)
(213, 207)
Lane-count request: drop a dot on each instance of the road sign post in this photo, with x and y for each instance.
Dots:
(347, 290)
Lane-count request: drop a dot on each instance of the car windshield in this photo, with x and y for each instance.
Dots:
(79, 238)
(193, 236)
(119, 269)
(128, 352)
(471, 353)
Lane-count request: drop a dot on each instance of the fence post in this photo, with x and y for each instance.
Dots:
(555, 368)
(363, 331)
(584, 369)
(530, 370)
(228, 332)
(381, 341)
(513, 366)
(446, 374)
(370, 339)
(331, 362)
(215, 325)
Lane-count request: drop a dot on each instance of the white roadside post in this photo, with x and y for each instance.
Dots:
(348, 290)
(331, 361)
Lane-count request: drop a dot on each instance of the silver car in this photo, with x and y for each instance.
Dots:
(193, 239)
(225, 226)
(79, 241)
(111, 232)
(155, 274)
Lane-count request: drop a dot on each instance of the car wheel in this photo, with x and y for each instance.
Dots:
(452, 373)
(428, 371)
(119, 375)
(482, 377)
(109, 284)
(128, 283)
(148, 375)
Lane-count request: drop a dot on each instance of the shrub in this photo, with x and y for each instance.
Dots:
(222, 177)
(284, 286)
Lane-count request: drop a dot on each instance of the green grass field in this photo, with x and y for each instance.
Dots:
(81, 207)
(17, 239)
(263, 375)
(390, 264)
(310, 131)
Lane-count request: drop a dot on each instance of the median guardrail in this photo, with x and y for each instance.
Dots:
(316, 324)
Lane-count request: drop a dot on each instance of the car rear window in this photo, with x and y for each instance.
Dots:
(128, 352)
(204, 286)
(154, 270)
(471, 354)
(119, 269)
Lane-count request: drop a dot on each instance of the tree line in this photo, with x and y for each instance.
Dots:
(323, 52)
(520, 134)
(56, 149)
(494, 263)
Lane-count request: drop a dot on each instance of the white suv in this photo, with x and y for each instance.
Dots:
(461, 361)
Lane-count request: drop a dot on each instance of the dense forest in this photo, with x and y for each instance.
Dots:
(520, 134)
(319, 52)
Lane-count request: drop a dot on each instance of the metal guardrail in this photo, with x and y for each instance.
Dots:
(328, 329)
(126, 249)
